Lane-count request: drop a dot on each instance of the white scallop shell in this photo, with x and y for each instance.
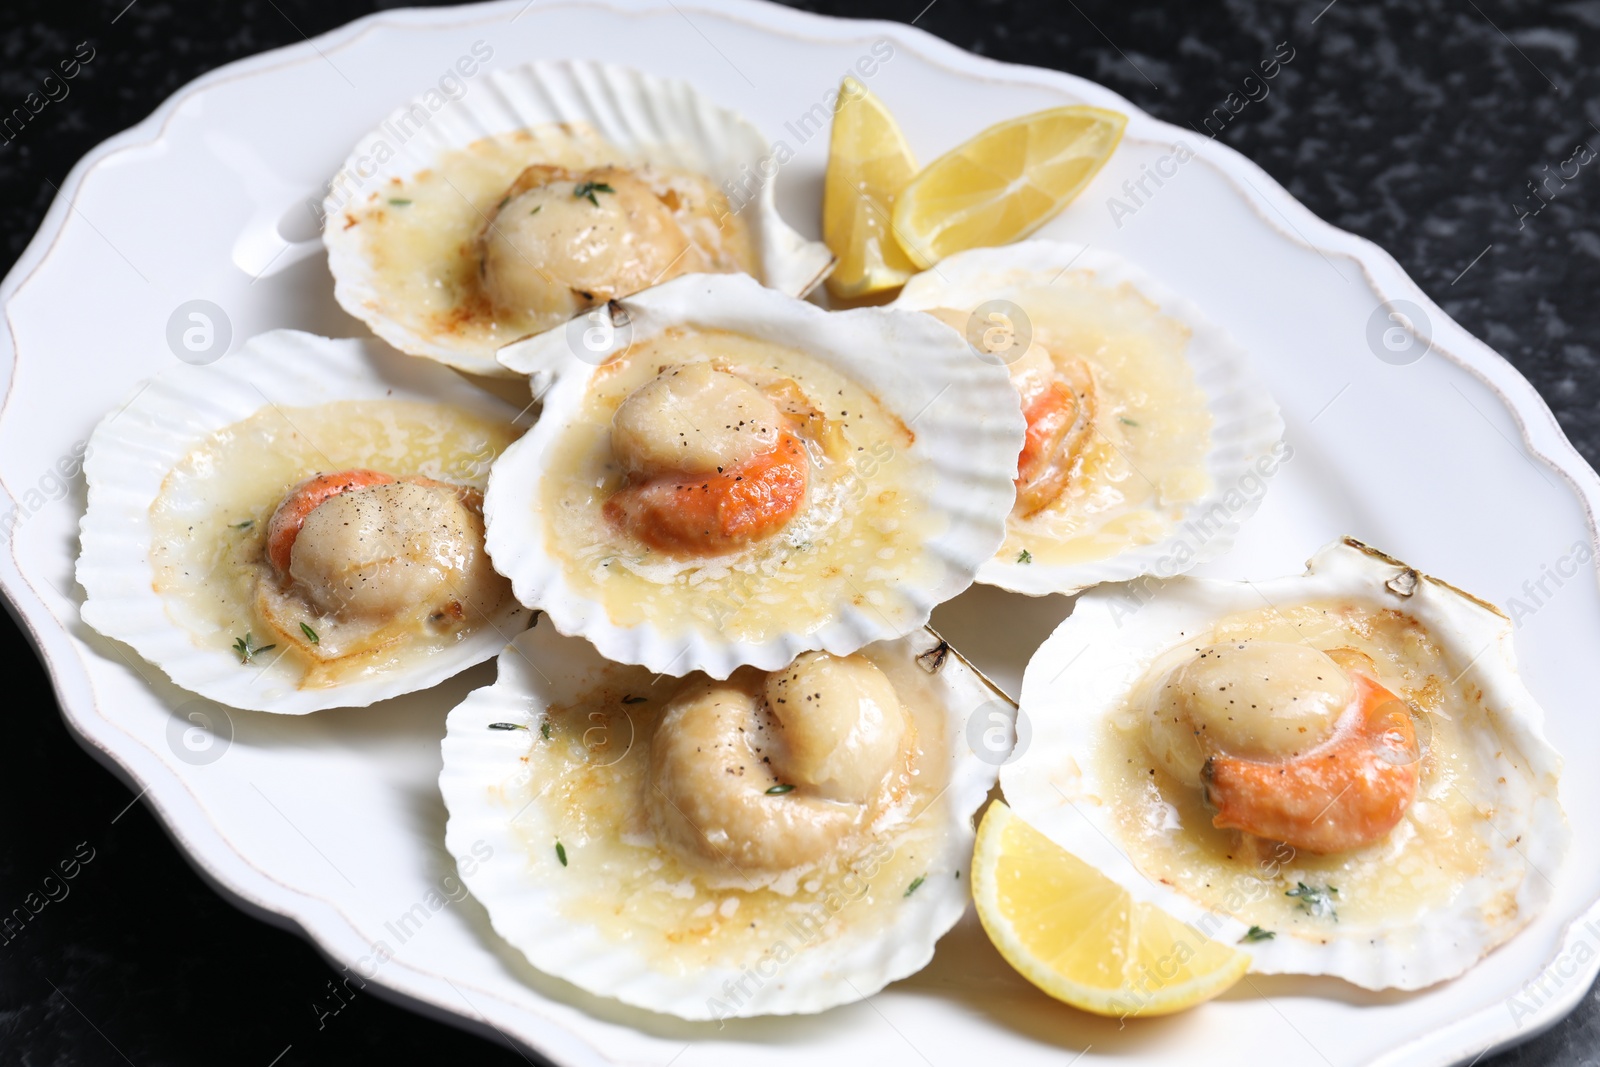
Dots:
(968, 432)
(134, 448)
(1082, 673)
(632, 110)
(486, 788)
(1246, 427)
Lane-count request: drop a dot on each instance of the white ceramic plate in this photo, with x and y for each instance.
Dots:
(334, 822)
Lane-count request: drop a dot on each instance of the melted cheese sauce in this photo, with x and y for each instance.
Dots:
(590, 779)
(420, 234)
(857, 538)
(1146, 457)
(1444, 838)
(209, 523)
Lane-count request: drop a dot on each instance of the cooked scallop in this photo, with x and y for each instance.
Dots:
(1149, 439)
(309, 524)
(376, 563)
(560, 187)
(742, 477)
(785, 841)
(1341, 771)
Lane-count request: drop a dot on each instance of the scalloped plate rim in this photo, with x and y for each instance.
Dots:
(321, 922)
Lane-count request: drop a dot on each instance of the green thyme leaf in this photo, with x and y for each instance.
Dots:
(561, 853)
(586, 191)
(1126, 421)
(780, 789)
(507, 726)
(245, 525)
(634, 700)
(544, 729)
(1024, 556)
(397, 202)
(1255, 933)
(247, 649)
(311, 635)
(1316, 901)
(536, 208)
(915, 882)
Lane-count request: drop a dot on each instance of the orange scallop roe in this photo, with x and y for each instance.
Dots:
(284, 526)
(1346, 793)
(1050, 417)
(703, 515)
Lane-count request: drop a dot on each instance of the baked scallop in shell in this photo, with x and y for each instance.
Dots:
(1341, 772)
(772, 843)
(299, 526)
(543, 192)
(732, 476)
(1149, 440)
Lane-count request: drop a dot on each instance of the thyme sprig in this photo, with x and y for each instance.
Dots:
(247, 649)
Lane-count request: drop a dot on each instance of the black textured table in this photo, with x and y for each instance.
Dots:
(1433, 127)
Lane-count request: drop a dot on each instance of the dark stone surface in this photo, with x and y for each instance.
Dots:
(1416, 123)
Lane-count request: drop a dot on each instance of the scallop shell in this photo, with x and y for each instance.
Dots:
(1083, 672)
(968, 431)
(1246, 427)
(632, 110)
(486, 789)
(134, 448)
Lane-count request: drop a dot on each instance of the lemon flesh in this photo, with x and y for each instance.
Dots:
(1004, 183)
(1080, 937)
(869, 164)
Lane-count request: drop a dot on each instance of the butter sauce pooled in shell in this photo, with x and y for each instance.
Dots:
(1148, 438)
(561, 185)
(1339, 771)
(192, 547)
(655, 839)
(718, 482)
(654, 510)
(516, 233)
(344, 574)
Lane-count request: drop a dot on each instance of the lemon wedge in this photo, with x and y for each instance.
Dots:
(1004, 183)
(868, 164)
(1080, 937)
